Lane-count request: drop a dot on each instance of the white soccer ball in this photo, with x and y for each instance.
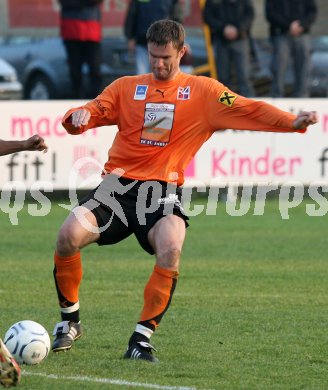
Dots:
(28, 342)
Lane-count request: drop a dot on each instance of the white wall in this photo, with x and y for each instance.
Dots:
(231, 156)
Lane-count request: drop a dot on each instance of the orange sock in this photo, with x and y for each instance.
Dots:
(157, 296)
(68, 276)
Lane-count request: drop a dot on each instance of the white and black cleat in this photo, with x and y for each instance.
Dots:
(141, 350)
(66, 332)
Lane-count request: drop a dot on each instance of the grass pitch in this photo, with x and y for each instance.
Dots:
(249, 312)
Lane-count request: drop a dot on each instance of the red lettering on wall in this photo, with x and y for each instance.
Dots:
(229, 163)
(24, 127)
(190, 170)
(325, 123)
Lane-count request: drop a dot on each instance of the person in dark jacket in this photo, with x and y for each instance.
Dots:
(140, 15)
(230, 23)
(80, 29)
(290, 22)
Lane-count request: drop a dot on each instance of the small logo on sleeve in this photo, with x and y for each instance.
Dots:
(227, 98)
(140, 92)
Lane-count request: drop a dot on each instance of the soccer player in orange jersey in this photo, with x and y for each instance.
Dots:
(163, 118)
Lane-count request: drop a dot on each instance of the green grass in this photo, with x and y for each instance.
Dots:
(250, 310)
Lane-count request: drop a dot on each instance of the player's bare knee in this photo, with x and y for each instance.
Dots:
(169, 258)
(67, 242)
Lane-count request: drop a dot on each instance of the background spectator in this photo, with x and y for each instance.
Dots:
(290, 22)
(230, 23)
(80, 28)
(140, 15)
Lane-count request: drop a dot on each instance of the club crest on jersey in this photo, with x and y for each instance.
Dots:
(140, 92)
(151, 117)
(227, 98)
(183, 93)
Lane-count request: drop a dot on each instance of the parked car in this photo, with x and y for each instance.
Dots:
(10, 88)
(43, 70)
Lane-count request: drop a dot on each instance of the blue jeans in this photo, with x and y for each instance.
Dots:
(286, 47)
(234, 54)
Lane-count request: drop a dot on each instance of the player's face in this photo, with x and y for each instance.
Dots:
(164, 60)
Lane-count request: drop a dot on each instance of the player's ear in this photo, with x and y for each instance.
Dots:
(182, 52)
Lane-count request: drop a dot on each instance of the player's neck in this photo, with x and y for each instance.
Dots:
(172, 78)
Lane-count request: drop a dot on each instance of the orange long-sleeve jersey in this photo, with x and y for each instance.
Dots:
(162, 124)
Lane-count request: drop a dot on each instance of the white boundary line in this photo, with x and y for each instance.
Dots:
(118, 382)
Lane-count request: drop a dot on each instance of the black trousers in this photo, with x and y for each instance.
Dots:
(78, 54)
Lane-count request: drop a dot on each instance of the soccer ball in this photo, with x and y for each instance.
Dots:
(28, 342)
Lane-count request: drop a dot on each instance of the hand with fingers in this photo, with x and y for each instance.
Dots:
(80, 117)
(304, 119)
(36, 143)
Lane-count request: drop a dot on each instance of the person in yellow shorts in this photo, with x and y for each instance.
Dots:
(163, 118)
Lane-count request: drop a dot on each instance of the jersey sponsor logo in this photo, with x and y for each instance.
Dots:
(151, 116)
(227, 98)
(140, 92)
(183, 93)
(159, 107)
(158, 123)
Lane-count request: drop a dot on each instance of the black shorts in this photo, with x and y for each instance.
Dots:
(124, 206)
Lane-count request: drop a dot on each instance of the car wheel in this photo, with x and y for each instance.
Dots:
(39, 87)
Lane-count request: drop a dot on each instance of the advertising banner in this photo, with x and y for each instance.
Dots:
(229, 156)
(260, 157)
